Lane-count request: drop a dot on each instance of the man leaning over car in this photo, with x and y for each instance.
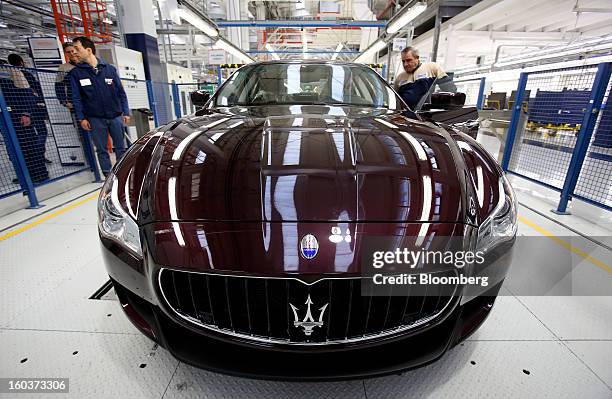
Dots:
(99, 100)
(415, 70)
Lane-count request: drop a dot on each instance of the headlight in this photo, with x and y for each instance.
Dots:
(114, 222)
(501, 223)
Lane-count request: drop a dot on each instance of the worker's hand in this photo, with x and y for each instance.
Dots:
(68, 105)
(25, 121)
(85, 125)
(126, 119)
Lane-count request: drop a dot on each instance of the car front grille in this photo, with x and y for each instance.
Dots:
(260, 309)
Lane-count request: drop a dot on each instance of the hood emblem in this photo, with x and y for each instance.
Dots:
(308, 324)
(309, 246)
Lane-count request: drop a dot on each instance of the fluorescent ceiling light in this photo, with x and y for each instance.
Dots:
(233, 50)
(338, 48)
(404, 17)
(371, 51)
(272, 52)
(203, 25)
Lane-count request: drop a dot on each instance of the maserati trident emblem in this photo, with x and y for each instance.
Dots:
(309, 246)
(308, 324)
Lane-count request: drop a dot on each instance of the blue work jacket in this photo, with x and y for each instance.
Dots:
(97, 92)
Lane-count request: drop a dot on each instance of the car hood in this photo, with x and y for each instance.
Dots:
(306, 164)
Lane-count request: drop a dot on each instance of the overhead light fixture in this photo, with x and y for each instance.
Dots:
(272, 52)
(2, 25)
(371, 51)
(205, 26)
(405, 16)
(233, 50)
(338, 48)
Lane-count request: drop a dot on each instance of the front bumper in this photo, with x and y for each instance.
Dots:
(137, 288)
(223, 356)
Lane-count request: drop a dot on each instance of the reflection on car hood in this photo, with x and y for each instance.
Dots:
(305, 163)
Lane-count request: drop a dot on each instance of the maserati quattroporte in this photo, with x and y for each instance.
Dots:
(235, 237)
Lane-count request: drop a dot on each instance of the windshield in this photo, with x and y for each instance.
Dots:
(305, 84)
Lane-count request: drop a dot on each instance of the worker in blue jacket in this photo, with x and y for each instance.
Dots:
(20, 102)
(100, 102)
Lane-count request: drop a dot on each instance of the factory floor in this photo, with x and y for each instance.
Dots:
(530, 346)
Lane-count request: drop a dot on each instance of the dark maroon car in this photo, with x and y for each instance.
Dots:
(235, 237)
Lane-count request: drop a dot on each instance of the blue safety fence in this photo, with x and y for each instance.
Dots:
(41, 141)
(160, 96)
(594, 183)
(559, 134)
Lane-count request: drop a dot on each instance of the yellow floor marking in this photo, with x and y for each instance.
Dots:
(566, 245)
(48, 217)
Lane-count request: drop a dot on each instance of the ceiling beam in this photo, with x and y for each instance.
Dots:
(503, 35)
(517, 20)
(505, 11)
(577, 24)
(592, 28)
(473, 13)
(465, 18)
(593, 10)
(560, 19)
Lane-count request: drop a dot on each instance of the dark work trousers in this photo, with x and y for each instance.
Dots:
(34, 158)
(39, 116)
(100, 128)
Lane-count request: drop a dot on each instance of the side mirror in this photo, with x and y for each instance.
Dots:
(199, 98)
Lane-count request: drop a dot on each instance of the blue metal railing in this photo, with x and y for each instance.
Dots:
(15, 153)
(549, 139)
(50, 113)
(514, 122)
(584, 136)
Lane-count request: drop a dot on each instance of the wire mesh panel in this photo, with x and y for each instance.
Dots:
(184, 91)
(470, 88)
(41, 115)
(553, 110)
(595, 180)
(162, 96)
(58, 136)
(8, 173)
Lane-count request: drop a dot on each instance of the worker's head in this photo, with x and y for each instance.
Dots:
(84, 47)
(15, 60)
(70, 53)
(410, 59)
